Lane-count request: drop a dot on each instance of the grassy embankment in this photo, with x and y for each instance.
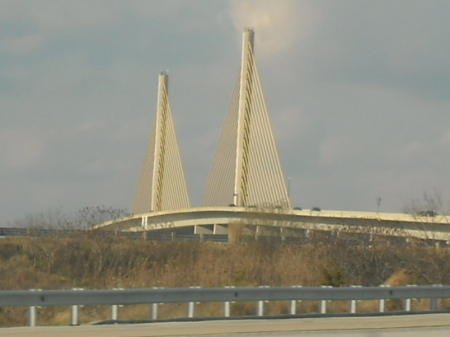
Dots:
(103, 263)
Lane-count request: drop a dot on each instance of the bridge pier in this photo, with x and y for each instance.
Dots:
(203, 229)
(268, 231)
(220, 229)
(294, 232)
(250, 230)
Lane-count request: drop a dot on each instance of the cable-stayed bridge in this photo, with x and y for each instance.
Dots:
(246, 186)
(246, 169)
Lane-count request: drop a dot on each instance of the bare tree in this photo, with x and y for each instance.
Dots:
(430, 204)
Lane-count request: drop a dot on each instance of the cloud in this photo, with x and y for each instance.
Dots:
(276, 23)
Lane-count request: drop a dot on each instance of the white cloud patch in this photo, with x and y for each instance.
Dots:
(275, 22)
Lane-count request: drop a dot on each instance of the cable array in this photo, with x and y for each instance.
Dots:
(246, 170)
(162, 184)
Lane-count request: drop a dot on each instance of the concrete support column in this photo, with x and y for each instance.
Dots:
(220, 229)
(203, 229)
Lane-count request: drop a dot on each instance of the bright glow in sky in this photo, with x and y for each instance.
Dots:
(358, 93)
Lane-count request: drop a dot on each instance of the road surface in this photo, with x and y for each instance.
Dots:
(430, 325)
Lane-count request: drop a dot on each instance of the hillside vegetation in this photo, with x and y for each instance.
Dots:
(93, 262)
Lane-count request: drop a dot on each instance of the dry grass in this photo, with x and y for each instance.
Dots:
(235, 230)
(402, 277)
(89, 262)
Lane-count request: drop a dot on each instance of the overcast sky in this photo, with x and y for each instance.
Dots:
(358, 93)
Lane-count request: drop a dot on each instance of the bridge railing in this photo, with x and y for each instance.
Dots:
(354, 239)
(260, 295)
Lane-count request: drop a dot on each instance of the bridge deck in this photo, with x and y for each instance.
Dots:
(394, 224)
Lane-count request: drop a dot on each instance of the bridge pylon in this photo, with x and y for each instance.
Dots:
(246, 170)
(162, 184)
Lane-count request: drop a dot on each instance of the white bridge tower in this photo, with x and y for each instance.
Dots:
(162, 185)
(246, 170)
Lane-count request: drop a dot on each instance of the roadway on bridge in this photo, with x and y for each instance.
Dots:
(393, 224)
(431, 325)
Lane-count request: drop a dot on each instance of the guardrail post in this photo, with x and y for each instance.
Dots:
(191, 309)
(381, 305)
(227, 306)
(32, 313)
(409, 300)
(293, 308)
(260, 310)
(353, 303)
(226, 309)
(154, 311)
(408, 304)
(191, 306)
(434, 302)
(74, 312)
(74, 315)
(154, 307)
(323, 303)
(115, 309)
(353, 306)
(114, 312)
(32, 316)
(382, 302)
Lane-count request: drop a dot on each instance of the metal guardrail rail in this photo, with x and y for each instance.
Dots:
(227, 295)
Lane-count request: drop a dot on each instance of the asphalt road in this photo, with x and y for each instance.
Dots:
(430, 325)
